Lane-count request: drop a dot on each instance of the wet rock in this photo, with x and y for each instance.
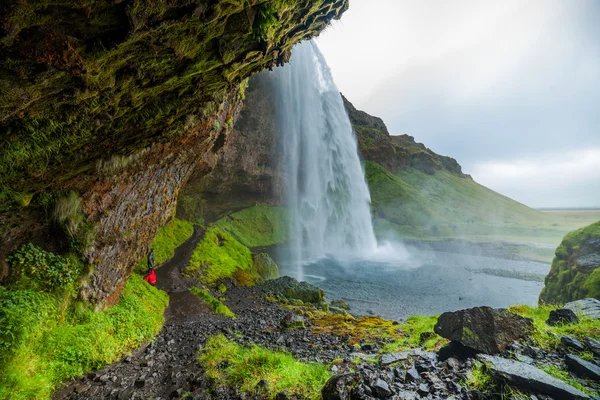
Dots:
(483, 328)
(381, 389)
(582, 368)
(531, 379)
(292, 321)
(290, 288)
(573, 343)
(456, 350)
(423, 389)
(593, 346)
(587, 307)
(339, 387)
(562, 316)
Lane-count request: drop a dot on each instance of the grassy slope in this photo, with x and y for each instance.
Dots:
(256, 226)
(168, 238)
(413, 204)
(46, 339)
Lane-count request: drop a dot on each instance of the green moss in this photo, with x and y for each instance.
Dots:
(168, 238)
(256, 226)
(45, 340)
(215, 304)
(566, 377)
(244, 367)
(480, 378)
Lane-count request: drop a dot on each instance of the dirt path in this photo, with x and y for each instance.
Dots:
(167, 368)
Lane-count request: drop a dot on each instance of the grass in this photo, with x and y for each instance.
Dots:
(548, 337)
(566, 377)
(256, 226)
(47, 339)
(168, 238)
(219, 256)
(245, 367)
(215, 304)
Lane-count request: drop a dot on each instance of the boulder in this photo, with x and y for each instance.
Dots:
(562, 316)
(483, 328)
(381, 389)
(338, 387)
(530, 379)
(586, 307)
(593, 346)
(291, 289)
(582, 368)
(292, 321)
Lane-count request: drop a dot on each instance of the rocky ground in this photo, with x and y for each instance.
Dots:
(167, 368)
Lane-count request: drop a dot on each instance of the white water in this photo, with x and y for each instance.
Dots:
(327, 195)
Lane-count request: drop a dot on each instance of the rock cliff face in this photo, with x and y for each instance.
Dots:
(575, 272)
(248, 167)
(120, 102)
(395, 153)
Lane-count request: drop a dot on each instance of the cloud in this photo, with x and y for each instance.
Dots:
(560, 179)
(476, 80)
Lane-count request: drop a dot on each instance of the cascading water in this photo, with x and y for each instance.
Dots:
(327, 196)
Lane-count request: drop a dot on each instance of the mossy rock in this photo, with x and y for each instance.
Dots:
(291, 289)
(575, 271)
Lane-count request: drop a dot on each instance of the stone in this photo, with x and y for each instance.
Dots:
(593, 346)
(126, 394)
(290, 288)
(292, 320)
(412, 375)
(586, 307)
(390, 358)
(483, 328)
(423, 389)
(140, 383)
(562, 316)
(381, 389)
(338, 387)
(530, 378)
(456, 350)
(582, 368)
(425, 336)
(406, 395)
(82, 387)
(571, 342)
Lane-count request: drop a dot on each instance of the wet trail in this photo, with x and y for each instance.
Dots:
(167, 367)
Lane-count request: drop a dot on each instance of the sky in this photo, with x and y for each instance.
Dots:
(511, 88)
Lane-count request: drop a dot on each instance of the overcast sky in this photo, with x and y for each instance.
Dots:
(511, 89)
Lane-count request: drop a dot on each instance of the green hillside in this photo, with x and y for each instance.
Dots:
(443, 205)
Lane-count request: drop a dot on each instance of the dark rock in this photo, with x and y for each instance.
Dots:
(412, 375)
(339, 387)
(126, 394)
(593, 345)
(587, 307)
(290, 288)
(390, 358)
(282, 395)
(571, 342)
(483, 328)
(425, 336)
(82, 388)
(423, 389)
(381, 389)
(562, 316)
(292, 321)
(456, 350)
(582, 368)
(406, 395)
(140, 383)
(531, 379)
(366, 347)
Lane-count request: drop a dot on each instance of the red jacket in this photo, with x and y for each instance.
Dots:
(151, 278)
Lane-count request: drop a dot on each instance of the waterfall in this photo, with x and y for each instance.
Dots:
(326, 193)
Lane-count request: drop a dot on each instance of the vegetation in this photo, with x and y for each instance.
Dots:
(48, 338)
(548, 337)
(256, 226)
(245, 367)
(394, 336)
(219, 256)
(215, 304)
(168, 238)
(567, 280)
(415, 205)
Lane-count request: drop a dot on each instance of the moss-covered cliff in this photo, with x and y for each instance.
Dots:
(575, 272)
(119, 103)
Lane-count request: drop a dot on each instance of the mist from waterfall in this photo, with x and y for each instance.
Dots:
(326, 193)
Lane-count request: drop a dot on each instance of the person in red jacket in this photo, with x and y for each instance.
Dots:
(150, 277)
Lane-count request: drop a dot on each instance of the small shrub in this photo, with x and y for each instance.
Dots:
(48, 271)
